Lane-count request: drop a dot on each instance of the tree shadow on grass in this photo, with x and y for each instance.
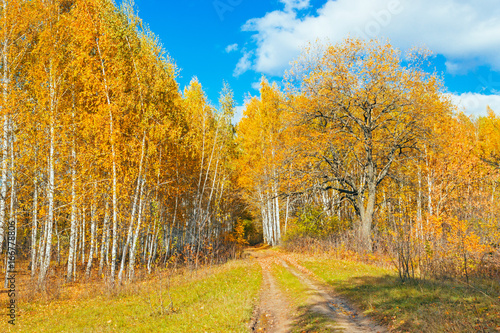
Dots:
(311, 320)
(423, 306)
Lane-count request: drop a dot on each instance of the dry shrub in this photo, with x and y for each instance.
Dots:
(489, 265)
(438, 247)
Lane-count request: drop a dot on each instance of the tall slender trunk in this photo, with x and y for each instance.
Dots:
(82, 247)
(113, 167)
(270, 218)
(286, 212)
(41, 246)
(12, 241)
(92, 239)
(50, 183)
(171, 229)
(5, 87)
(115, 218)
(104, 238)
(77, 243)
(134, 207)
(3, 190)
(429, 186)
(72, 239)
(34, 226)
(277, 226)
(134, 241)
(419, 204)
(153, 243)
(145, 244)
(58, 236)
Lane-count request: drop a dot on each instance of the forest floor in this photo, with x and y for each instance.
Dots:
(268, 290)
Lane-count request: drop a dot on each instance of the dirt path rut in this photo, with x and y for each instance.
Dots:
(346, 317)
(274, 314)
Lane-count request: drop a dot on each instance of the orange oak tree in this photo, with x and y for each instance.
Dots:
(362, 111)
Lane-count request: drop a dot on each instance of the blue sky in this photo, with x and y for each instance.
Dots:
(239, 41)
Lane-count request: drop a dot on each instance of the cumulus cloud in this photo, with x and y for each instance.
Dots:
(295, 4)
(475, 104)
(466, 32)
(256, 85)
(231, 48)
(243, 65)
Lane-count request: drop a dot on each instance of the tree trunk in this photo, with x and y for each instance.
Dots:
(12, 241)
(5, 87)
(136, 235)
(366, 215)
(92, 240)
(50, 183)
(104, 239)
(134, 207)
(72, 240)
(3, 195)
(34, 227)
(82, 248)
(113, 167)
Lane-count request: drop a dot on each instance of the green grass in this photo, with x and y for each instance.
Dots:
(421, 306)
(295, 291)
(220, 300)
(297, 294)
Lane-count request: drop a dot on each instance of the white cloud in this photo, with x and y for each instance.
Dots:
(475, 104)
(256, 85)
(466, 32)
(231, 48)
(295, 4)
(243, 65)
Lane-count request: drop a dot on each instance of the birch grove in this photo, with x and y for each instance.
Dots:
(102, 154)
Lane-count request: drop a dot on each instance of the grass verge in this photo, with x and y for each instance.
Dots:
(422, 306)
(218, 299)
(306, 319)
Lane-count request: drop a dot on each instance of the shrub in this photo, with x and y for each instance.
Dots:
(312, 222)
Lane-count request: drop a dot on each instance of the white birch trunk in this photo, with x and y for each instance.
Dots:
(82, 247)
(134, 241)
(277, 226)
(153, 243)
(5, 87)
(113, 160)
(34, 228)
(134, 207)
(3, 193)
(12, 220)
(104, 239)
(286, 212)
(92, 240)
(41, 246)
(72, 240)
(50, 184)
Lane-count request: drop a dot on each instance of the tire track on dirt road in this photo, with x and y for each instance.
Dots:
(346, 317)
(273, 313)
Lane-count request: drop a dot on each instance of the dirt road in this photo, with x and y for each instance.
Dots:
(275, 314)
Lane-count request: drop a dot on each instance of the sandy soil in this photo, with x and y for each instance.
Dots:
(273, 312)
